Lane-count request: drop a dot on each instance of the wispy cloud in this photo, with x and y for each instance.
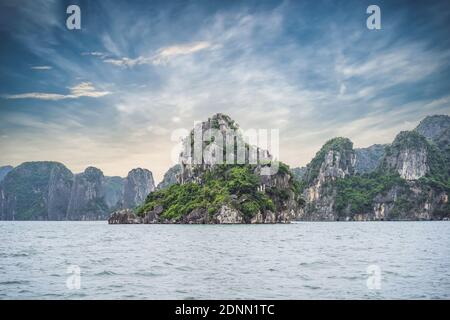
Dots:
(41, 68)
(95, 54)
(83, 89)
(310, 70)
(162, 56)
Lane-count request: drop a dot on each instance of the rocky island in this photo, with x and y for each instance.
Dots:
(405, 180)
(408, 179)
(220, 193)
(47, 190)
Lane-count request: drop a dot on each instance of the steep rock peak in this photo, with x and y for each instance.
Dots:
(92, 173)
(408, 155)
(139, 183)
(170, 177)
(336, 159)
(432, 127)
(221, 142)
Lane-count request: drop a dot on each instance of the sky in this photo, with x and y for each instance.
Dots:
(111, 94)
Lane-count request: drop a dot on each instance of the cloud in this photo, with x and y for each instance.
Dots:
(311, 76)
(127, 62)
(41, 68)
(162, 56)
(95, 54)
(87, 89)
(165, 54)
(83, 89)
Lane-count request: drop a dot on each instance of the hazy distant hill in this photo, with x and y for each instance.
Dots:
(47, 190)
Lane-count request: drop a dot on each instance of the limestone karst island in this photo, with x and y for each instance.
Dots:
(405, 180)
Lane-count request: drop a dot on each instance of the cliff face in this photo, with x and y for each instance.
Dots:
(114, 192)
(434, 127)
(170, 177)
(49, 191)
(437, 130)
(411, 182)
(232, 192)
(335, 160)
(87, 199)
(408, 156)
(139, 183)
(368, 159)
(35, 191)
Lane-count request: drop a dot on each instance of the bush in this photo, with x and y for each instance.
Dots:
(216, 189)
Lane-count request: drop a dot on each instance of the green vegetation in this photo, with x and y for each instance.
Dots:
(355, 194)
(29, 182)
(439, 175)
(235, 186)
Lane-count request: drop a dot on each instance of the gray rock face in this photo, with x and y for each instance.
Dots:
(60, 182)
(114, 192)
(49, 191)
(139, 183)
(418, 203)
(215, 147)
(335, 160)
(35, 191)
(125, 216)
(408, 184)
(4, 171)
(408, 156)
(437, 130)
(298, 173)
(368, 159)
(227, 215)
(170, 177)
(87, 199)
(433, 127)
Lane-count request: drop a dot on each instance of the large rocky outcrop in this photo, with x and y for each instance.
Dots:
(437, 130)
(87, 199)
(245, 188)
(368, 159)
(408, 156)
(114, 192)
(433, 127)
(170, 177)
(36, 191)
(335, 160)
(409, 183)
(139, 183)
(125, 216)
(49, 191)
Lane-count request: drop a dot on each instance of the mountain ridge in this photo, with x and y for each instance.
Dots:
(48, 190)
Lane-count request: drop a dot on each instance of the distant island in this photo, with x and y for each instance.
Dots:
(408, 179)
(47, 190)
